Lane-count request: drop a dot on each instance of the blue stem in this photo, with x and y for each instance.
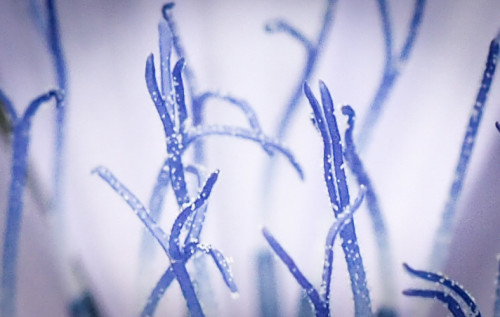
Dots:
(443, 236)
(320, 306)
(385, 259)
(20, 144)
(158, 292)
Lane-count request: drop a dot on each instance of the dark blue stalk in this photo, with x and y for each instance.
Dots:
(20, 145)
(158, 292)
(448, 283)
(165, 41)
(394, 62)
(443, 235)
(320, 307)
(187, 289)
(339, 196)
(385, 259)
(452, 304)
(497, 125)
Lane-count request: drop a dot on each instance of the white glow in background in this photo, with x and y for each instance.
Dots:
(112, 122)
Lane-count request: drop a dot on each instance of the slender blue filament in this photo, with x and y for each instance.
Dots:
(385, 258)
(443, 235)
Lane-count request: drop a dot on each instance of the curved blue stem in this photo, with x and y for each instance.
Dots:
(385, 259)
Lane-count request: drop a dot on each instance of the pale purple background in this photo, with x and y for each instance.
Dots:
(111, 121)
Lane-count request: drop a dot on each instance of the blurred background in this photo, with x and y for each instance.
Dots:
(112, 122)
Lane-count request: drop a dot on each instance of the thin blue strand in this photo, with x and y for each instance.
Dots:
(174, 139)
(320, 307)
(381, 235)
(443, 235)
